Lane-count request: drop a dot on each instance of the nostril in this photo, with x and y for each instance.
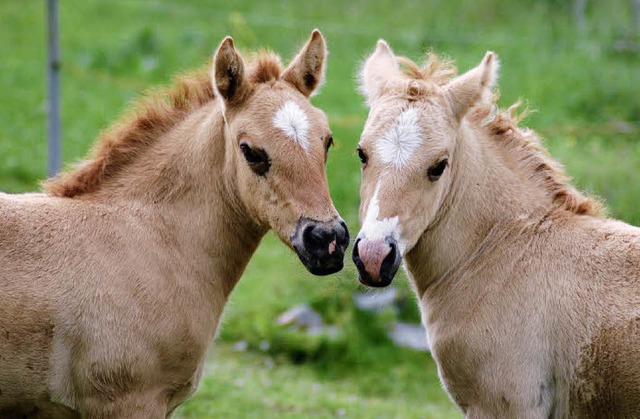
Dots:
(356, 252)
(342, 234)
(317, 236)
(389, 260)
(355, 256)
(308, 235)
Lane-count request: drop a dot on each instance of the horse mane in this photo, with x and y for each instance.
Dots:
(502, 126)
(534, 158)
(143, 125)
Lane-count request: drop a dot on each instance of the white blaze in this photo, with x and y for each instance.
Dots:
(292, 120)
(373, 228)
(401, 141)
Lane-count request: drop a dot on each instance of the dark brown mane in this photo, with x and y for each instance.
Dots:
(150, 118)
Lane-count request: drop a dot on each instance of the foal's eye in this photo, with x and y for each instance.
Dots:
(362, 155)
(257, 158)
(329, 143)
(436, 170)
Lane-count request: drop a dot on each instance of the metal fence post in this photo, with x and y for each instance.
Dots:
(53, 89)
(579, 8)
(635, 16)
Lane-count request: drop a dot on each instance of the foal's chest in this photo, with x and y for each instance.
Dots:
(494, 374)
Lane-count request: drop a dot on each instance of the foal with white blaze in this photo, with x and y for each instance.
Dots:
(113, 281)
(530, 297)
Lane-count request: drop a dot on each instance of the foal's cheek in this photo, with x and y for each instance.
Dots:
(257, 199)
(276, 209)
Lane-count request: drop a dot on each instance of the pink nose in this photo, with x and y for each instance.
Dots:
(377, 260)
(372, 253)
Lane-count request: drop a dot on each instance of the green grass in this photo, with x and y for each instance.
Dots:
(240, 384)
(585, 91)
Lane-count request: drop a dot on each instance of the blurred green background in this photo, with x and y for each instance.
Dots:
(581, 76)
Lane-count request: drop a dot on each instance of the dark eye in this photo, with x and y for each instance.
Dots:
(329, 143)
(257, 158)
(362, 155)
(436, 170)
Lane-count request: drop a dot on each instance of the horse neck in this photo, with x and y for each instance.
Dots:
(187, 184)
(488, 193)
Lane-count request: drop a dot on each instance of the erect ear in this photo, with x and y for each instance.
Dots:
(467, 89)
(306, 71)
(228, 76)
(377, 70)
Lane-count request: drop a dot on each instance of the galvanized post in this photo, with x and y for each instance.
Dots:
(53, 89)
(635, 16)
(579, 8)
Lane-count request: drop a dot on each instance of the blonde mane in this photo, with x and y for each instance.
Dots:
(502, 126)
(526, 146)
(149, 119)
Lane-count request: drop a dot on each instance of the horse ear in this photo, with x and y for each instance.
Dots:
(466, 90)
(228, 76)
(379, 67)
(306, 71)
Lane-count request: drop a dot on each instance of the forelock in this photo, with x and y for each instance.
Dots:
(420, 81)
(265, 67)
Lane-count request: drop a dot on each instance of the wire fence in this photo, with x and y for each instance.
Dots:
(261, 20)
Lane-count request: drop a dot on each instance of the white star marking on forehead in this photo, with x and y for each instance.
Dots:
(402, 140)
(292, 120)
